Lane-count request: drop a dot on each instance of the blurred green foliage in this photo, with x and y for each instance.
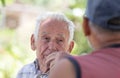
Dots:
(81, 45)
(11, 53)
(3, 2)
(6, 2)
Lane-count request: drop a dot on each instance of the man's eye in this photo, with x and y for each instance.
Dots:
(59, 41)
(47, 39)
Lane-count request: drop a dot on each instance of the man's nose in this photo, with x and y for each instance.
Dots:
(53, 46)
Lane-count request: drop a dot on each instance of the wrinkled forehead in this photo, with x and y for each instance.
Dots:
(59, 35)
(54, 25)
(54, 22)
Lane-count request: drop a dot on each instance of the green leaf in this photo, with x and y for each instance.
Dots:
(3, 2)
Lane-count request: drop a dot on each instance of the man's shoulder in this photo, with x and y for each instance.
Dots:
(28, 68)
(27, 71)
(98, 56)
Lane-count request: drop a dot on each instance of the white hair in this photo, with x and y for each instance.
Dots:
(56, 16)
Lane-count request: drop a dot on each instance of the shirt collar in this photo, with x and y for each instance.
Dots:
(36, 66)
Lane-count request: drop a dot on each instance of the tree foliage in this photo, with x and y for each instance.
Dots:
(3, 2)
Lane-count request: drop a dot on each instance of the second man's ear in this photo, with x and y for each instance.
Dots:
(86, 28)
(33, 46)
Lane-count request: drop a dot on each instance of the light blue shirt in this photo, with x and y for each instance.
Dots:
(30, 71)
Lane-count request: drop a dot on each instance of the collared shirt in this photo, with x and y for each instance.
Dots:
(31, 71)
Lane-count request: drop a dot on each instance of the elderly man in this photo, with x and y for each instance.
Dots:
(101, 25)
(53, 37)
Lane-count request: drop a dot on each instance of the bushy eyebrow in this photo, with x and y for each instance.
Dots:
(62, 35)
(58, 35)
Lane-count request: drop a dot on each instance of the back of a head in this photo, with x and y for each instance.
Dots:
(104, 13)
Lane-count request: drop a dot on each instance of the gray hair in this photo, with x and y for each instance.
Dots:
(57, 16)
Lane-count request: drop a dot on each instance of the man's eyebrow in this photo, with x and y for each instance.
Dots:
(62, 35)
(45, 33)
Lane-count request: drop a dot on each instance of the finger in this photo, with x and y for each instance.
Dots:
(48, 62)
(56, 56)
(52, 64)
(50, 59)
(61, 55)
(53, 54)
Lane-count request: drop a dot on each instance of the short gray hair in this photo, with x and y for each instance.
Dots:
(57, 16)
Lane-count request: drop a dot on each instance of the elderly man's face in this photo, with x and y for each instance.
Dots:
(53, 36)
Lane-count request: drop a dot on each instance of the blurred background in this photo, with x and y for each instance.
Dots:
(17, 22)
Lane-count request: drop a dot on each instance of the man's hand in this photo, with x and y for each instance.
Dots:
(53, 58)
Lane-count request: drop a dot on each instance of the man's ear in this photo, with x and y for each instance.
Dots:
(71, 46)
(33, 47)
(86, 28)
